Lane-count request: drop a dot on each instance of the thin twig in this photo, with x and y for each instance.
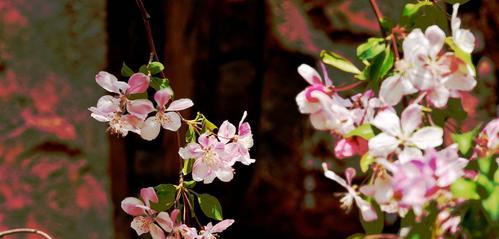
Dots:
(24, 230)
(379, 16)
(150, 39)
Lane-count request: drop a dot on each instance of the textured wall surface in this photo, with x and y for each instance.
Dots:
(53, 158)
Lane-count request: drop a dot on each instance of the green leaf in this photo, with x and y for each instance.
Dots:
(189, 184)
(155, 67)
(491, 204)
(126, 71)
(486, 164)
(411, 9)
(366, 161)
(365, 131)
(187, 166)
(160, 84)
(431, 15)
(137, 96)
(143, 69)
(210, 206)
(466, 57)
(376, 226)
(453, 110)
(373, 47)
(339, 62)
(485, 183)
(166, 195)
(465, 140)
(382, 64)
(465, 189)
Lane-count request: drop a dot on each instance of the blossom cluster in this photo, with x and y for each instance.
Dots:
(147, 220)
(210, 152)
(410, 167)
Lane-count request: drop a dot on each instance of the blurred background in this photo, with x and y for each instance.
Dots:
(60, 171)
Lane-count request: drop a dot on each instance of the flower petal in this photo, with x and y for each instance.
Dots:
(411, 118)
(192, 150)
(409, 154)
(333, 176)
(162, 97)
(156, 232)
(164, 220)
(180, 104)
(427, 137)
(393, 88)
(139, 82)
(141, 224)
(110, 83)
(439, 96)
(151, 128)
(309, 74)
(221, 226)
(140, 108)
(225, 174)
(382, 144)
(148, 195)
(367, 211)
(129, 205)
(226, 132)
(388, 122)
(436, 38)
(171, 121)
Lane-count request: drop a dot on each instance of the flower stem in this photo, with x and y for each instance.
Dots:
(393, 38)
(24, 230)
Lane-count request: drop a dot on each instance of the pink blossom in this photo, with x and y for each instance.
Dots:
(176, 230)
(403, 132)
(145, 219)
(113, 109)
(237, 145)
(367, 211)
(488, 139)
(211, 160)
(166, 117)
(349, 147)
(210, 231)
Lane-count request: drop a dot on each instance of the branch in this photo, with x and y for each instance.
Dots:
(24, 230)
(392, 36)
(150, 39)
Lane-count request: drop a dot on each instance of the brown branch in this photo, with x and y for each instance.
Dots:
(150, 39)
(24, 230)
(379, 15)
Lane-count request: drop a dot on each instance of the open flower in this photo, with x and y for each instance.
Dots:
(367, 211)
(394, 87)
(210, 231)
(145, 219)
(238, 145)
(488, 139)
(168, 118)
(211, 160)
(113, 109)
(176, 230)
(403, 132)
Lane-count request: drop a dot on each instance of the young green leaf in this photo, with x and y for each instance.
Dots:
(189, 184)
(411, 9)
(365, 131)
(491, 205)
(138, 96)
(208, 125)
(160, 83)
(190, 135)
(155, 67)
(210, 206)
(143, 69)
(465, 189)
(465, 140)
(126, 71)
(366, 161)
(373, 47)
(339, 62)
(166, 195)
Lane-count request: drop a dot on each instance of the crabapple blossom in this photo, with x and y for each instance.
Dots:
(403, 132)
(176, 230)
(367, 211)
(349, 147)
(210, 230)
(113, 109)
(237, 145)
(394, 87)
(168, 118)
(211, 159)
(145, 219)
